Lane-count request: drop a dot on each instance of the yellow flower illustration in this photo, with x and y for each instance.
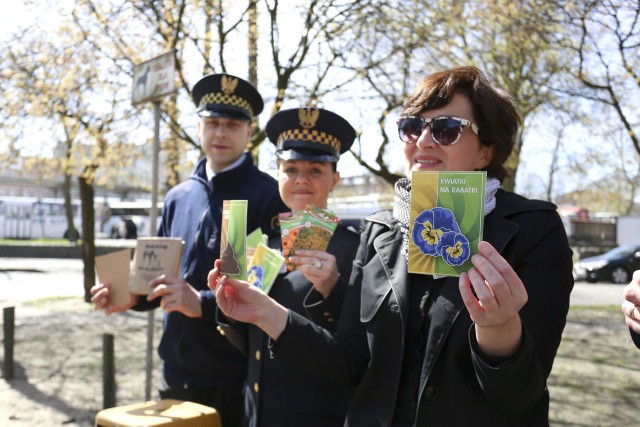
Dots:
(455, 251)
(430, 235)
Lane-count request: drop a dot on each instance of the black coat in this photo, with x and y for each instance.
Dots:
(457, 387)
(277, 393)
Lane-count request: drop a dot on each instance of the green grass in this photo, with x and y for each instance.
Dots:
(43, 302)
(22, 242)
(600, 308)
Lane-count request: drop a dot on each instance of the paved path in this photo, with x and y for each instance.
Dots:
(24, 279)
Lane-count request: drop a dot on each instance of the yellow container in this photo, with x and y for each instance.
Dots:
(166, 412)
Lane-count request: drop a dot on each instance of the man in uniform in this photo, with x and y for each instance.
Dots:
(199, 364)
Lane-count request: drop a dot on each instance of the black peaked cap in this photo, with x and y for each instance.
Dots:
(310, 133)
(224, 95)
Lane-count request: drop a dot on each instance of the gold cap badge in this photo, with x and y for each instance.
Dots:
(228, 84)
(308, 117)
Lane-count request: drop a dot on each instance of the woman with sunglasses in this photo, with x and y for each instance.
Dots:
(425, 350)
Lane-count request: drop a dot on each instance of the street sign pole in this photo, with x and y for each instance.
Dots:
(153, 80)
(154, 217)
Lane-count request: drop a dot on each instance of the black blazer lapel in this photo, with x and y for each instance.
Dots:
(499, 230)
(394, 265)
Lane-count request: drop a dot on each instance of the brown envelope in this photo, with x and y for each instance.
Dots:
(114, 268)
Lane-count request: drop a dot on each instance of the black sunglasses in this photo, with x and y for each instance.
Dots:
(445, 130)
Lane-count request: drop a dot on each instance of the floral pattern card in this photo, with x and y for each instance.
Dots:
(264, 267)
(309, 229)
(446, 221)
(233, 239)
(290, 224)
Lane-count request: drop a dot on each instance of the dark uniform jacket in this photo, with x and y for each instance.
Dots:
(279, 394)
(635, 337)
(458, 386)
(192, 351)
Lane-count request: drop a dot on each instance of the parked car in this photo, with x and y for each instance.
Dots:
(616, 265)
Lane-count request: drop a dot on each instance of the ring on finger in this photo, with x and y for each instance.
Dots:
(317, 264)
(632, 313)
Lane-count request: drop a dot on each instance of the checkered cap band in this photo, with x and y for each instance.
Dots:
(223, 98)
(310, 135)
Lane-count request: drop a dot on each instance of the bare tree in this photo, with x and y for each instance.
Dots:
(510, 41)
(609, 38)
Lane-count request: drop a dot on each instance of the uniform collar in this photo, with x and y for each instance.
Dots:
(210, 173)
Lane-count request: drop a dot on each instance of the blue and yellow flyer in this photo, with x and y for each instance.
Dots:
(446, 221)
(264, 267)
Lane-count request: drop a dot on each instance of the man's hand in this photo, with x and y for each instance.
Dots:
(100, 297)
(176, 294)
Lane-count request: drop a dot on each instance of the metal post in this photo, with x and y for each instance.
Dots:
(108, 372)
(149, 360)
(153, 220)
(9, 329)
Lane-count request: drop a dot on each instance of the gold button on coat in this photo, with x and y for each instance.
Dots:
(258, 355)
(256, 387)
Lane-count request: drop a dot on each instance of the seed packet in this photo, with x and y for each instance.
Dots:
(154, 256)
(264, 267)
(253, 240)
(290, 223)
(310, 229)
(446, 221)
(233, 239)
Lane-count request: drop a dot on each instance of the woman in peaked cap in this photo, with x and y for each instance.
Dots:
(309, 142)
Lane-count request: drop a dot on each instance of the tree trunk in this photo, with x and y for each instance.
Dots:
(88, 241)
(172, 149)
(513, 161)
(252, 44)
(71, 233)
(553, 168)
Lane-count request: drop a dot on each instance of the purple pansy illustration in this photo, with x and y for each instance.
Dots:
(255, 275)
(430, 226)
(454, 248)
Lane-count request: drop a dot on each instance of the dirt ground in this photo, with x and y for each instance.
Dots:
(58, 366)
(58, 362)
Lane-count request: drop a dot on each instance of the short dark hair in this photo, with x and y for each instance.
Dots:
(494, 110)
